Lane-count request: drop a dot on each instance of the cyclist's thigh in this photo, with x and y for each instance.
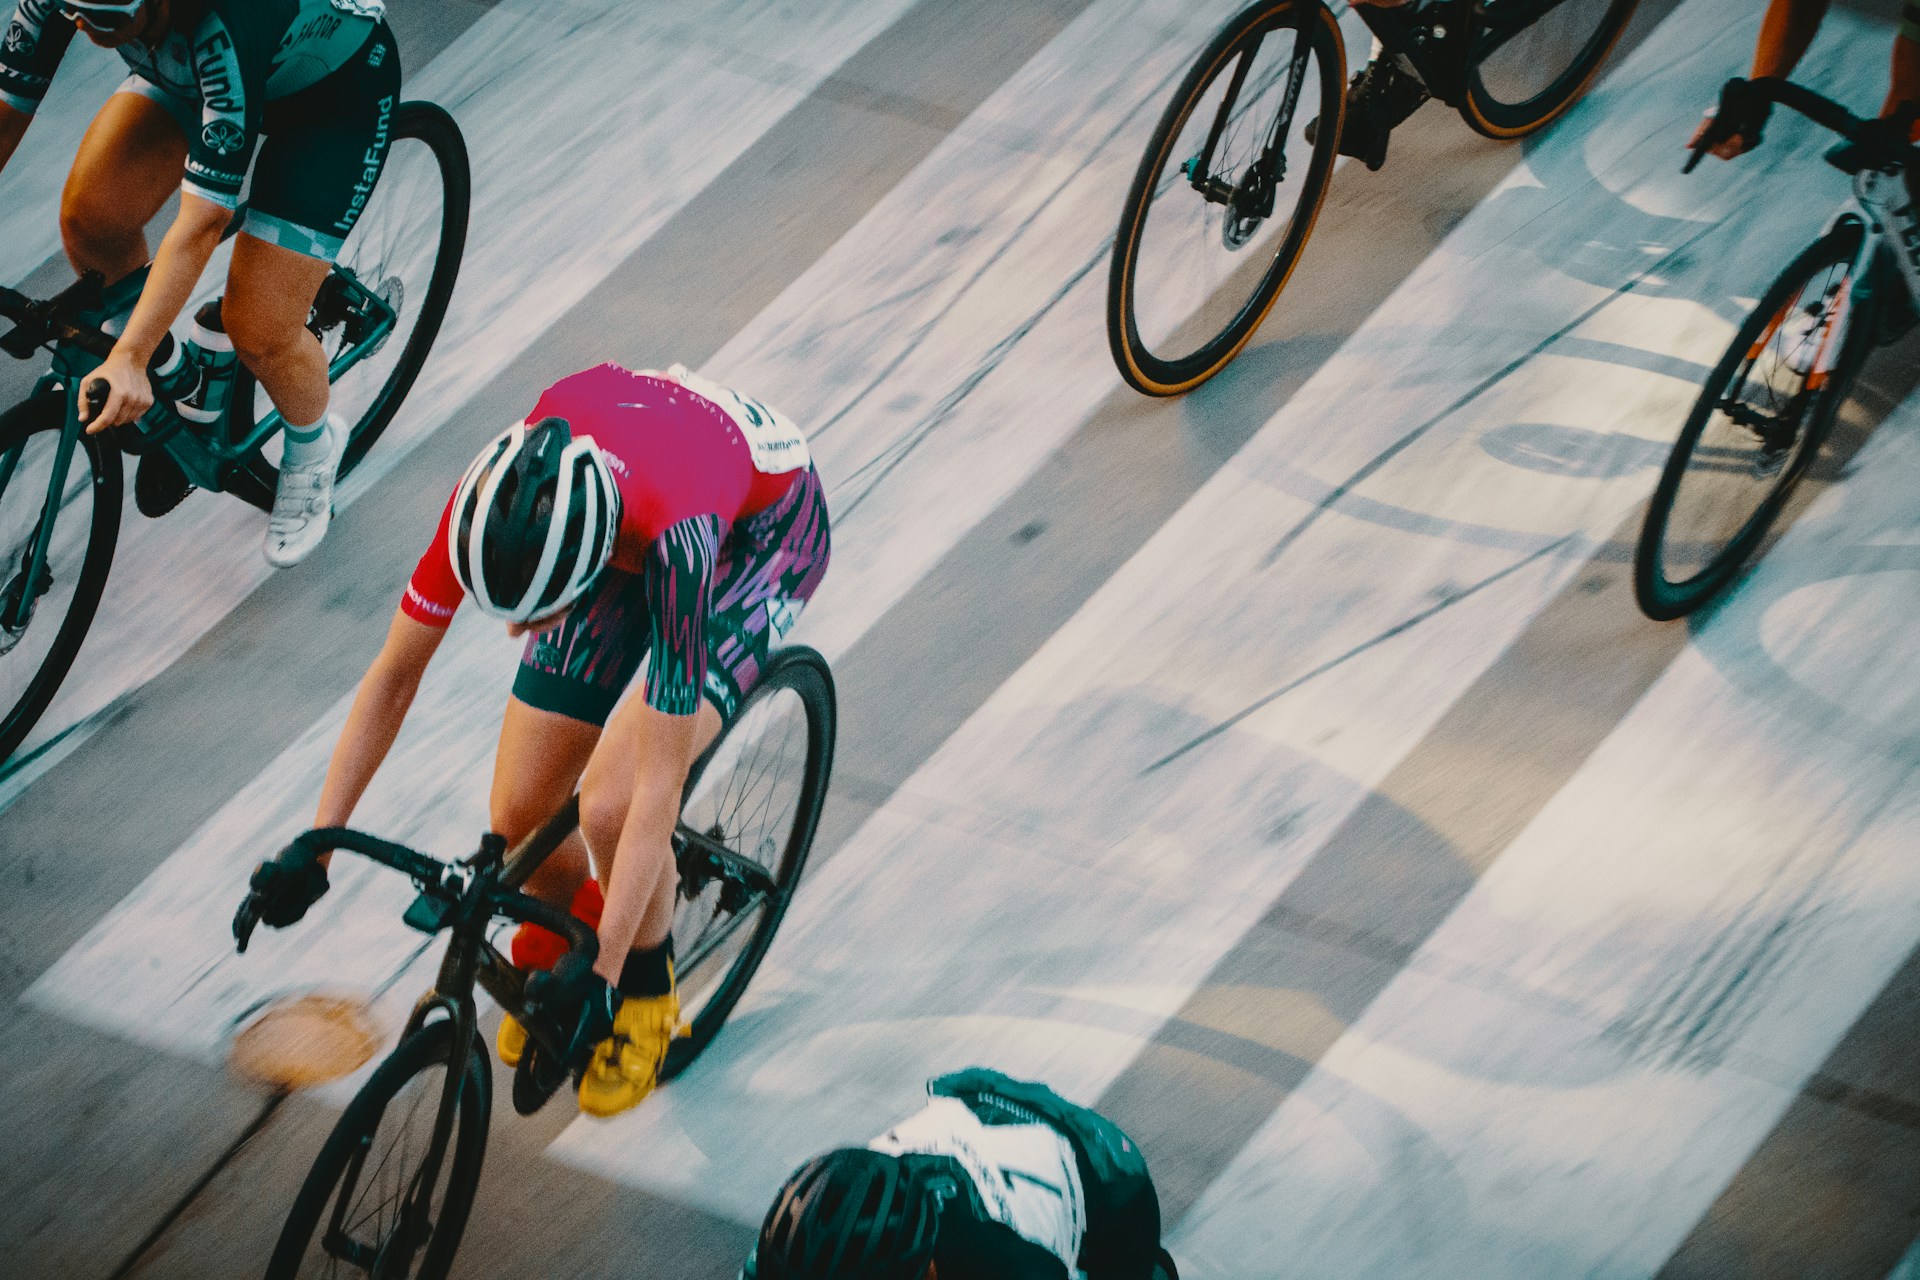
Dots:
(537, 766)
(270, 291)
(770, 567)
(631, 738)
(323, 153)
(130, 160)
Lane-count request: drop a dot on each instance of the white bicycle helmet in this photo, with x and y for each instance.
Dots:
(533, 521)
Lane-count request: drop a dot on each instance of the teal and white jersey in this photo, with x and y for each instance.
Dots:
(1025, 1174)
(223, 61)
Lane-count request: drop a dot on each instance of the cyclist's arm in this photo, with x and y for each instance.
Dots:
(184, 254)
(1785, 33)
(13, 127)
(32, 42)
(379, 708)
(679, 584)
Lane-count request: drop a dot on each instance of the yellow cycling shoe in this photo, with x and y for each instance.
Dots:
(512, 1040)
(626, 1065)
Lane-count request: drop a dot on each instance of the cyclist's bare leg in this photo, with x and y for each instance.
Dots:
(629, 802)
(270, 290)
(131, 159)
(538, 764)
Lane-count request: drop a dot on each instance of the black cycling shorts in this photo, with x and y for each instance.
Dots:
(322, 148)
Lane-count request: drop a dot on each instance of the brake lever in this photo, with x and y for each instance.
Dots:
(245, 920)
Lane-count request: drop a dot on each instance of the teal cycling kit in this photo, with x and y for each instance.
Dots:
(317, 79)
(1031, 1186)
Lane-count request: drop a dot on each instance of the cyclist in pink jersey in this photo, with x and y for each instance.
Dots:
(630, 514)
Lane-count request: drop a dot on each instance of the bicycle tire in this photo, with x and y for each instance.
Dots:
(1660, 596)
(255, 479)
(46, 412)
(806, 673)
(1493, 118)
(355, 1130)
(1142, 369)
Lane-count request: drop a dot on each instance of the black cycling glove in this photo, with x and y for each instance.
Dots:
(281, 895)
(577, 1004)
(1743, 113)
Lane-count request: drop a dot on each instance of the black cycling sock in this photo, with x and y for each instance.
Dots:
(648, 973)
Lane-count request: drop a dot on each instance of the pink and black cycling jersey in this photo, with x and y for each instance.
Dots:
(708, 534)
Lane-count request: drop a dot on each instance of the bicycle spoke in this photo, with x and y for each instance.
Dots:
(1759, 426)
(747, 803)
(1226, 197)
(391, 253)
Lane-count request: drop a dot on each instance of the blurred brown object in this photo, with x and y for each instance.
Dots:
(298, 1042)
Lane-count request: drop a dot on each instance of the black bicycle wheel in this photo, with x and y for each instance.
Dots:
(758, 791)
(353, 1196)
(1523, 78)
(1758, 422)
(34, 659)
(406, 248)
(1204, 249)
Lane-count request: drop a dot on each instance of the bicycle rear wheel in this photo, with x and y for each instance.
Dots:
(758, 791)
(405, 249)
(354, 1195)
(35, 658)
(1758, 422)
(1225, 196)
(1522, 78)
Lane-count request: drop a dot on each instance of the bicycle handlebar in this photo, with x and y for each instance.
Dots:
(37, 323)
(1738, 96)
(305, 850)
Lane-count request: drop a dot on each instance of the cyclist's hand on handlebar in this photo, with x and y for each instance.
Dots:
(129, 394)
(1734, 127)
(278, 896)
(575, 1005)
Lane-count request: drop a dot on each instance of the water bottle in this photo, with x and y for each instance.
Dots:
(197, 375)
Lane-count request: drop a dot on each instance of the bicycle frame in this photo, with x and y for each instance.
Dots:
(1443, 42)
(466, 905)
(206, 456)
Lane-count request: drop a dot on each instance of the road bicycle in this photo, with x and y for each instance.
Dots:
(1233, 177)
(376, 315)
(1771, 400)
(389, 1194)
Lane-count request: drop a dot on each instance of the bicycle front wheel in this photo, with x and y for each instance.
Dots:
(757, 791)
(1753, 431)
(365, 1208)
(1226, 196)
(1534, 58)
(405, 250)
(43, 624)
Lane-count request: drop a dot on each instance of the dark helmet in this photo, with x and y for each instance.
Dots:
(851, 1214)
(534, 521)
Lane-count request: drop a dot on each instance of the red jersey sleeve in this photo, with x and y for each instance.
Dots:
(433, 593)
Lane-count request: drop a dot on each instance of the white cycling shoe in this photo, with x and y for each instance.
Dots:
(303, 504)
